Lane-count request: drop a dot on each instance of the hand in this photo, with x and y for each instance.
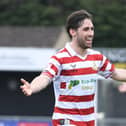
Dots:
(26, 87)
(122, 87)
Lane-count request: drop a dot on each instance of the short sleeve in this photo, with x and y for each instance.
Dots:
(53, 68)
(106, 68)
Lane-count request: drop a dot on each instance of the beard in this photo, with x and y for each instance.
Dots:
(83, 44)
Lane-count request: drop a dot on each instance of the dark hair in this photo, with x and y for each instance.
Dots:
(74, 20)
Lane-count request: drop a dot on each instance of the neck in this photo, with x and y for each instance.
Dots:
(78, 49)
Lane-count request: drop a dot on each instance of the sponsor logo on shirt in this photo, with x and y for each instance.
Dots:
(85, 84)
(73, 65)
(73, 83)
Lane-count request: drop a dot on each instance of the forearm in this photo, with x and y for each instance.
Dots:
(39, 83)
(119, 74)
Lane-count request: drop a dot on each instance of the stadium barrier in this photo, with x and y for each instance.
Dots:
(24, 121)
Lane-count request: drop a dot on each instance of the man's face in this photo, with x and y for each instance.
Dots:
(85, 34)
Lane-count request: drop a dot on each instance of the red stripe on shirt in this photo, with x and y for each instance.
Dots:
(95, 57)
(80, 71)
(74, 111)
(112, 67)
(70, 98)
(56, 58)
(104, 65)
(83, 123)
(52, 66)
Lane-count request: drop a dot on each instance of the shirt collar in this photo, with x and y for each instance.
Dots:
(70, 50)
(73, 53)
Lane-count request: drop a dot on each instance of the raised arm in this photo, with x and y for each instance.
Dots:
(40, 82)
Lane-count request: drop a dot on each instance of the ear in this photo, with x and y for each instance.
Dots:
(72, 32)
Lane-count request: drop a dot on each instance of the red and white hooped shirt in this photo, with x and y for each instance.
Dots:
(75, 78)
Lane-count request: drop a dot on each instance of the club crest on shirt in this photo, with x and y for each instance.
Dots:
(94, 67)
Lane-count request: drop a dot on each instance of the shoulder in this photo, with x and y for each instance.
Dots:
(92, 51)
(61, 53)
(95, 54)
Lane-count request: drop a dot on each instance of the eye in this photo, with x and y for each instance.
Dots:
(88, 28)
(92, 28)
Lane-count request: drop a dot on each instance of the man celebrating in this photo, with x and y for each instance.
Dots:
(73, 71)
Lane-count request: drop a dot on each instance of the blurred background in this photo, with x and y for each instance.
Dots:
(31, 31)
